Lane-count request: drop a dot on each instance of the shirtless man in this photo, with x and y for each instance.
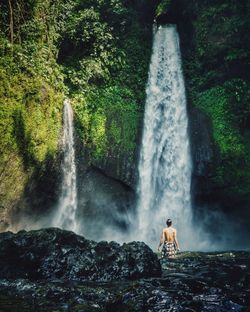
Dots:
(169, 241)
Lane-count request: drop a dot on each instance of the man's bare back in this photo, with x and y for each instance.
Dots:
(169, 237)
(169, 234)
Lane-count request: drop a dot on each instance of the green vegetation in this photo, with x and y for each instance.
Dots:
(95, 52)
(30, 121)
(31, 93)
(217, 69)
(215, 45)
(162, 7)
(105, 52)
(108, 117)
(223, 104)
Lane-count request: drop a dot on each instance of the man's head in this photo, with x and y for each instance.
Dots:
(169, 222)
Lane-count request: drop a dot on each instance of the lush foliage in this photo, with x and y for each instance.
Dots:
(29, 126)
(109, 120)
(105, 52)
(215, 46)
(217, 68)
(226, 106)
(162, 7)
(96, 52)
(31, 94)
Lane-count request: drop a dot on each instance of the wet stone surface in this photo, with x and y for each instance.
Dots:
(56, 254)
(191, 282)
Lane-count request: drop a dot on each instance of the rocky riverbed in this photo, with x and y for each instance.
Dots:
(54, 270)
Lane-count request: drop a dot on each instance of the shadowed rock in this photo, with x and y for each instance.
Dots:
(53, 253)
(212, 282)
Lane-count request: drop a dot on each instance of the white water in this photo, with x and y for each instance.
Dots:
(165, 162)
(65, 216)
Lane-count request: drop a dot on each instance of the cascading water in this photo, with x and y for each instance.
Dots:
(65, 216)
(165, 162)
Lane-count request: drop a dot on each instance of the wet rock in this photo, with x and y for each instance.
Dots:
(192, 282)
(56, 254)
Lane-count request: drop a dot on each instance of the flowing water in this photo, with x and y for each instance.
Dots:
(65, 216)
(165, 162)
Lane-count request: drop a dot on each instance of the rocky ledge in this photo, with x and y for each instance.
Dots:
(53, 253)
(54, 270)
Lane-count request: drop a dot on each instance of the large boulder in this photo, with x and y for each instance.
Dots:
(53, 253)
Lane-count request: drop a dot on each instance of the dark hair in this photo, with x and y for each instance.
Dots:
(169, 222)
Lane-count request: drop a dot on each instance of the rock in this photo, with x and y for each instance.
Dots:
(182, 290)
(104, 203)
(57, 254)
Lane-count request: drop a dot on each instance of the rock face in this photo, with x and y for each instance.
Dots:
(57, 254)
(104, 205)
(202, 155)
(215, 282)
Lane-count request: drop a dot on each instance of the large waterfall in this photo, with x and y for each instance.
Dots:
(165, 162)
(65, 216)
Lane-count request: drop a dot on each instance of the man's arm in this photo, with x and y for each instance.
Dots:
(161, 240)
(175, 240)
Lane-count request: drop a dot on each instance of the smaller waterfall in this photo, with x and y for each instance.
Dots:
(65, 216)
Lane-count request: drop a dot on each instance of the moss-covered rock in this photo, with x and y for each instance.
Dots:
(108, 122)
(31, 99)
(107, 72)
(30, 122)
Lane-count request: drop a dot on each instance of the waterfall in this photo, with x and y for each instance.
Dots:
(65, 216)
(165, 161)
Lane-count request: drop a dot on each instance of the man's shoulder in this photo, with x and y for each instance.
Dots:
(169, 229)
